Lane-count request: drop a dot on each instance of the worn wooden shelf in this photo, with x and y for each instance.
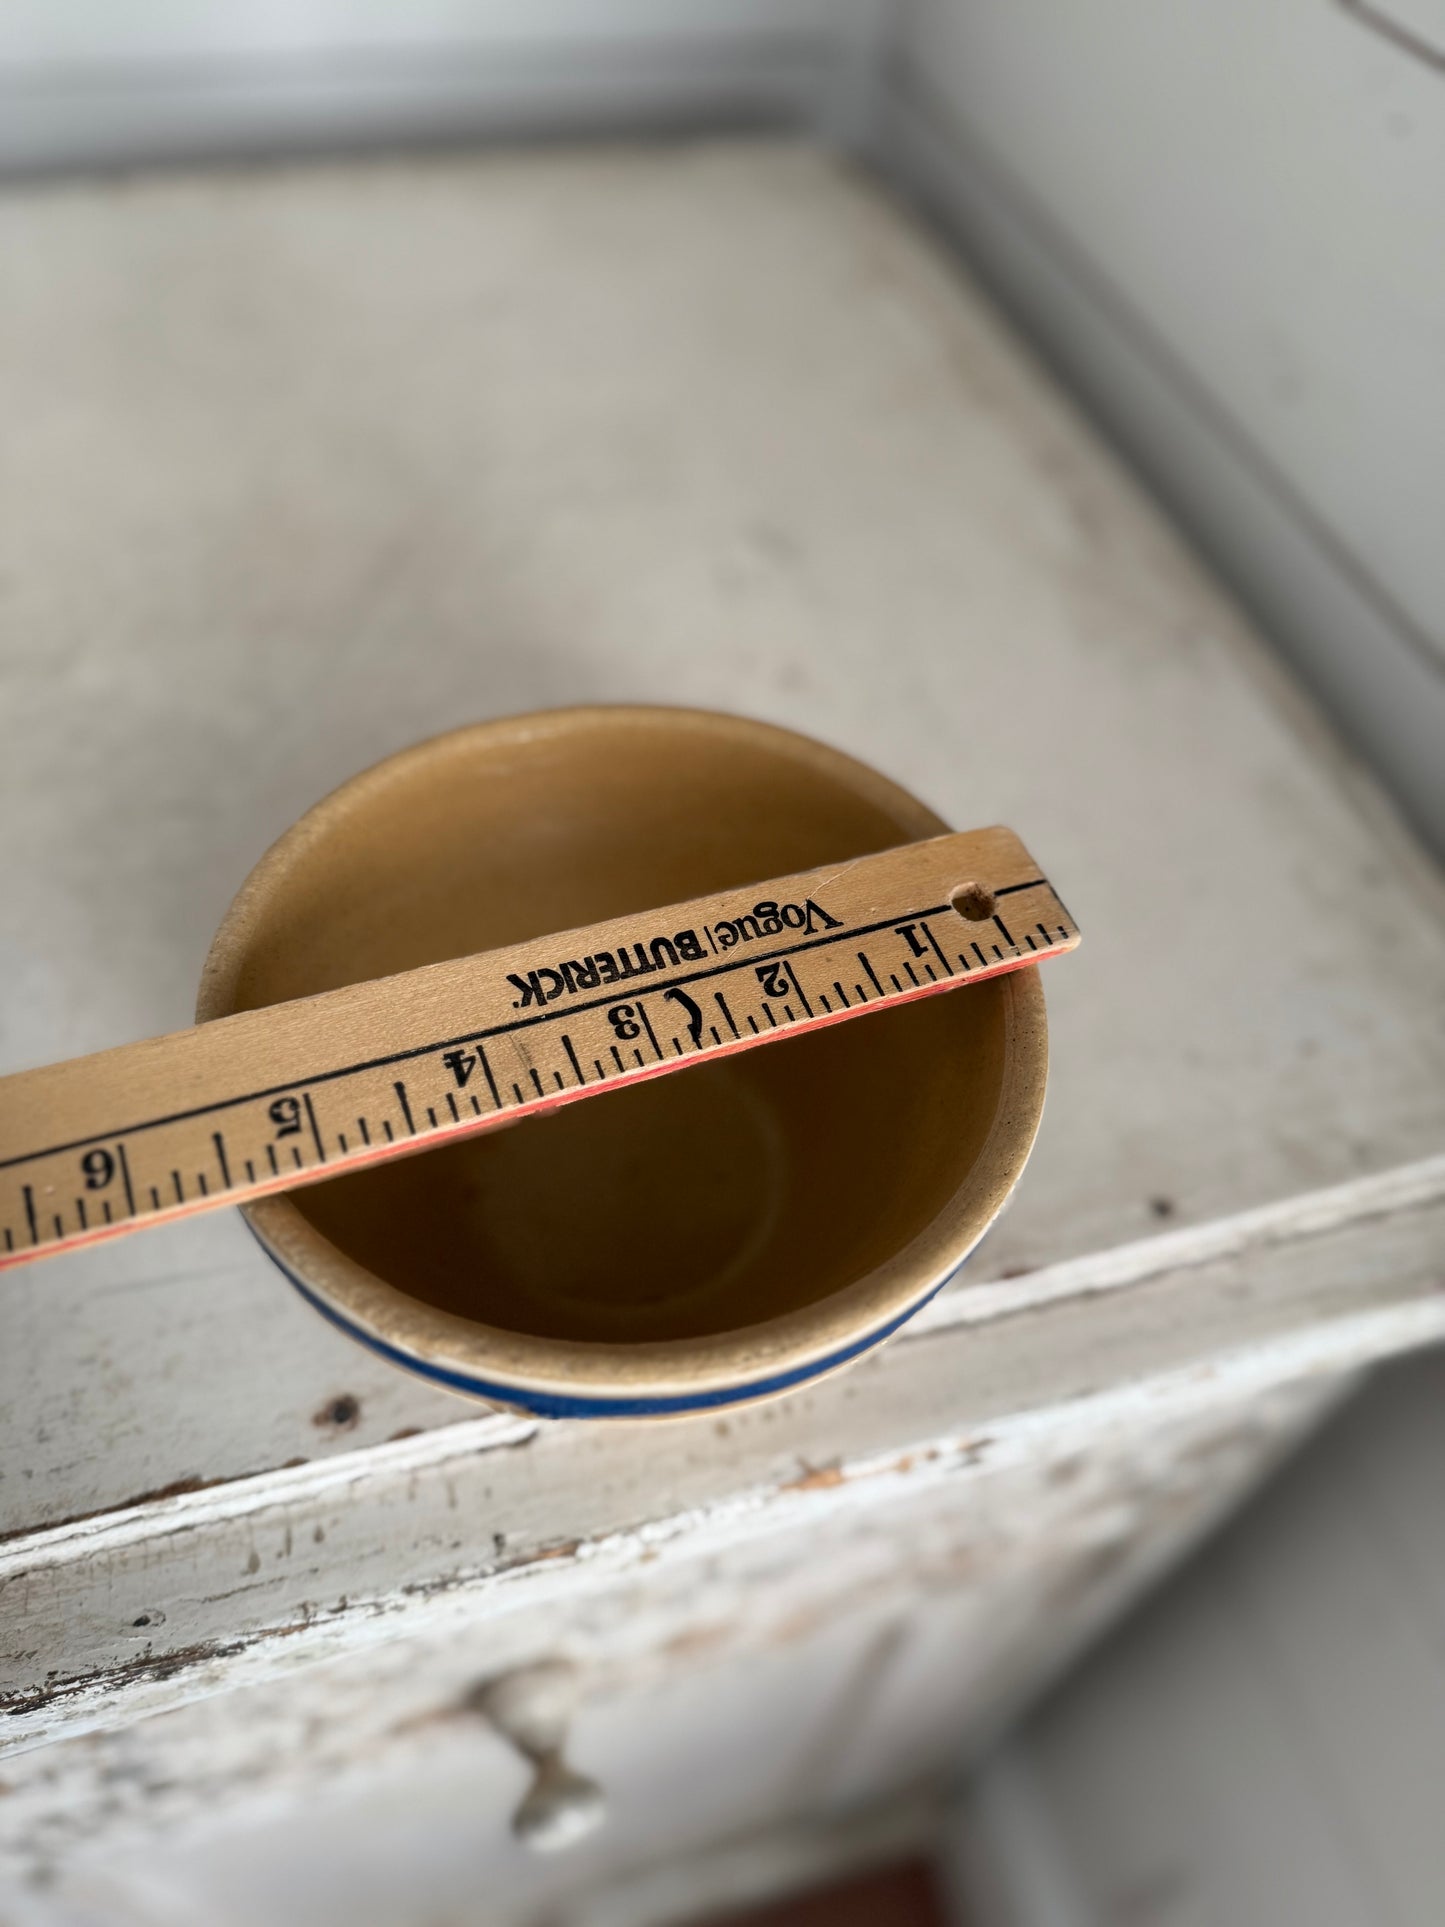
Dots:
(311, 463)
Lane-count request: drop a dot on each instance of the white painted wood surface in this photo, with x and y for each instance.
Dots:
(729, 1685)
(151, 1605)
(303, 465)
(468, 467)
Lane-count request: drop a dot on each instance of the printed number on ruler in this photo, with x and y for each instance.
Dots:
(270, 1099)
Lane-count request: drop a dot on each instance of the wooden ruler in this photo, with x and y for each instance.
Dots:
(271, 1099)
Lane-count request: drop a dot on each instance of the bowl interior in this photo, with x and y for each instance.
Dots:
(687, 1207)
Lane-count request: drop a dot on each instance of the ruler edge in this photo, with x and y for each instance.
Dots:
(341, 994)
(455, 1131)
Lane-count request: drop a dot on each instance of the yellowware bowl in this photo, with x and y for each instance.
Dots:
(699, 1240)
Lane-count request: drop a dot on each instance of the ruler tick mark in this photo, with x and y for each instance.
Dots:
(802, 994)
(104, 1211)
(912, 973)
(557, 1080)
(788, 1013)
(365, 1133)
(491, 1081)
(9, 1239)
(518, 1091)
(895, 983)
(1004, 930)
(390, 1134)
(220, 1143)
(400, 1090)
(601, 1074)
(431, 1117)
(201, 1181)
(59, 1227)
(978, 953)
(936, 951)
(1043, 933)
(271, 1156)
(617, 1058)
(721, 1003)
(647, 1026)
(80, 1213)
(452, 1107)
(476, 1104)
(125, 1177)
(315, 1132)
(824, 1001)
(155, 1199)
(870, 972)
(572, 1058)
(250, 1172)
(176, 1185)
(842, 994)
(715, 1038)
(536, 1083)
(932, 973)
(341, 1144)
(296, 1155)
(638, 1055)
(676, 1048)
(753, 1025)
(29, 1197)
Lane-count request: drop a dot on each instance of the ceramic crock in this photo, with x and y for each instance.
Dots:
(696, 1241)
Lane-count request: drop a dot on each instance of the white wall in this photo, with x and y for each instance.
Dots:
(1224, 220)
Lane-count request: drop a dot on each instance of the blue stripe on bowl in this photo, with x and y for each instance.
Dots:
(573, 1405)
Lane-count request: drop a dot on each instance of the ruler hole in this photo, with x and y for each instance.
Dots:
(973, 901)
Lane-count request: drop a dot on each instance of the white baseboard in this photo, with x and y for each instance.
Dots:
(80, 88)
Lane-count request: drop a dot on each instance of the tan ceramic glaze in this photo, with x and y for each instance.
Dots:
(692, 1239)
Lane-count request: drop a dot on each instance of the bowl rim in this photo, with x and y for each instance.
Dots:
(798, 1343)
